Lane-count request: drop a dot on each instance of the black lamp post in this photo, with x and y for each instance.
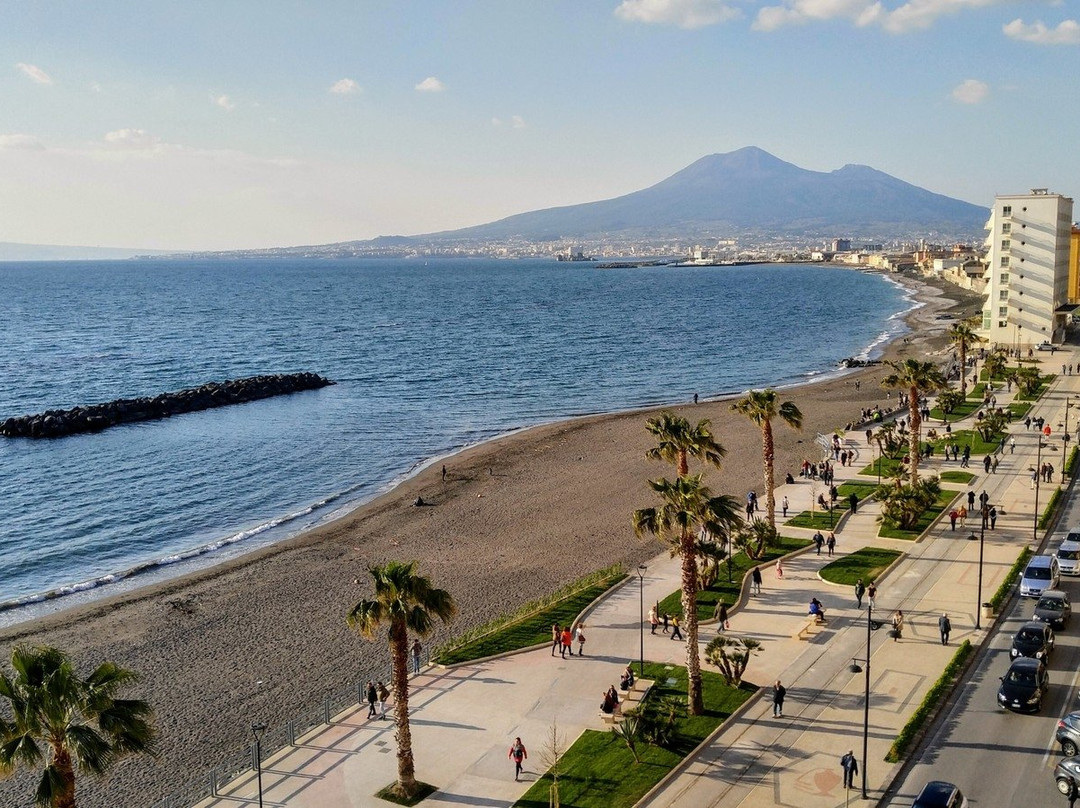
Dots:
(982, 537)
(641, 607)
(866, 696)
(1038, 480)
(257, 730)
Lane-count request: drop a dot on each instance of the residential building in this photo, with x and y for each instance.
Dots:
(1027, 273)
(1074, 265)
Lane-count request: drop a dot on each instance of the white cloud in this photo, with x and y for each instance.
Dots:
(970, 91)
(224, 102)
(683, 13)
(910, 16)
(20, 141)
(132, 139)
(517, 122)
(431, 85)
(1067, 32)
(345, 87)
(95, 87)
(34, 73)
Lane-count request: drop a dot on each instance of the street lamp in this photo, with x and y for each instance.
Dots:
(1038, 479)
(641, 607)
(257, 730)
(982, 537)
(866, 696)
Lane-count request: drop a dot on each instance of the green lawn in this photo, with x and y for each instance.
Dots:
(858, 487)
(1019, 409)
(968, 437)
(888, 463)
(819, 520)
(929, 515)
(957, 477)
(530, 629)
(962, 410)
(598, 771)
(740, 565)
(1044, 382)
(867, 563)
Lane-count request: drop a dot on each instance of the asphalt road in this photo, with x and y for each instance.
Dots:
(1000, 758)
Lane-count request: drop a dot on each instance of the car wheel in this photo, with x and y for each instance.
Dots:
(1066, 786)
(1068, 748)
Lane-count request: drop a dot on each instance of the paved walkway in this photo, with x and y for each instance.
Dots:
(464, 719)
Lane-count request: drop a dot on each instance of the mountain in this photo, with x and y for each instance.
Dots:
(12, 251)
(748, 190)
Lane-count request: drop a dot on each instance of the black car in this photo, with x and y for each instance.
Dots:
(1067, 776)
(1025, 685)
(1033, 639)
(1068, 734)
(1054, 608)
(939, 794)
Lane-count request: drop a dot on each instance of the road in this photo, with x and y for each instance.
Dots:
(1001, 758)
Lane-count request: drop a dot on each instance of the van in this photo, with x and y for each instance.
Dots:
(1042, 572)
(1068, 555)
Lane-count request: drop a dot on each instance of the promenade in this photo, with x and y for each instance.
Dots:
(464, 719)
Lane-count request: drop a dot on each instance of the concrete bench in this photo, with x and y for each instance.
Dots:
(640, 690)
(806, 629)
(613, 716)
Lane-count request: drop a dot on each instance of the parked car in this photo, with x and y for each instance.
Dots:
(1046, 346)
(1053, 608)
(1024, 686)
(1067, 776)
(1034, 639)
(939, 794)
(1041, 573)
(1068, 734)
(1068, 554)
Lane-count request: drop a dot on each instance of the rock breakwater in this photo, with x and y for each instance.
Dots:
(95, 417)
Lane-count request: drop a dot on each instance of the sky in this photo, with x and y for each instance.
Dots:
(211, 124)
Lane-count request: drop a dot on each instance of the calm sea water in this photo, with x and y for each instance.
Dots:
(429, 357)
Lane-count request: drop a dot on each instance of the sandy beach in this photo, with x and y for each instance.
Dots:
(263, 638)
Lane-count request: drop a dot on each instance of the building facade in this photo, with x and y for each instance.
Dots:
(1027, 273)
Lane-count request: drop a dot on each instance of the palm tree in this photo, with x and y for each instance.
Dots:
(404, 601)
(761, 406)
(918, 378)
(687, 508)
(962, 335)
(678, 441)
(67, 723)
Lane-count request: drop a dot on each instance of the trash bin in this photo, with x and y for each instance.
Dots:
(987, 611)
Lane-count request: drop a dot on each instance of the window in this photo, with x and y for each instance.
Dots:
(1004, 260)
(1003, 311)
(1005, 244)
(1006, 228)
(1003, 278)
(1007, 210)
(1003, 294)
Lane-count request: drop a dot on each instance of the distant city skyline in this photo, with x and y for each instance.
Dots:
(244, 125)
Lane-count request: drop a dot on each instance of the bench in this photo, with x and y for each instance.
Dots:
(640, 690)
(613, 716)
(806, 629)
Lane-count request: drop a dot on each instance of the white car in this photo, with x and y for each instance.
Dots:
(1068, 554)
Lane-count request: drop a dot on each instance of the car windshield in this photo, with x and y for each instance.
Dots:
(1038, 573)
(1026, 678)
(1050, 605)
(1069, 555)
(1029, 635)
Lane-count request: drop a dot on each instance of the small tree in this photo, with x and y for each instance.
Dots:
(754, 537)
(551, 756)
(1026, 379)
(949, 400)
(731, 655)
(628, 729)
(903, 505)
(995, 364)
(991, 425)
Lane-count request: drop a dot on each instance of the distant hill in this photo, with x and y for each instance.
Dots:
(11, 251)
(749, 190)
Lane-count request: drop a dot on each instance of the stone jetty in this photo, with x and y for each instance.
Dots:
(94, 418)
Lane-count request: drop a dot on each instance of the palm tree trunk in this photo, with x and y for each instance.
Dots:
(399, 649)
(682, 468)
(916, 429)
(695, 701)
(768, 452)
(963, 368)
(64, 767)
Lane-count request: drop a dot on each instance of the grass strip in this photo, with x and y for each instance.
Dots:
(968, 437)
(1011, 577)
(598, 771)
(1048, 512)
(720, 588)
(531, 624)
(867, 563)
(1044, 382)
(819, 520)
(1019, 409)
(857, 487)
(941, 688)
(927, 518)
(1070, 464)
(964, 477)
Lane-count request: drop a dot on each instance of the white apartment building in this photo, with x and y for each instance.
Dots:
(1027, 273)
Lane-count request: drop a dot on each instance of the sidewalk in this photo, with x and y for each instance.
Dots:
(464, 719)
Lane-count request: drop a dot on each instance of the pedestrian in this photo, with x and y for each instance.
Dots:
(850, 767)
(860, 590)
(778, 694)
(944, 626)
(784, 506)
(567, 642)
(519, 754)
(779, 569)
(963, 515)
(1034, 477)
(721, 615)
(995, 464)
(869, 436)
(953, 516)
(654, 621)
(372, 697)
(1049, 472)
(579, 634)
(1027, 422)
(986, 464)
(667, 617)
(871, 595)
(993, 517)
(897, 625)
(818, 541)
(1012, 445)
(384, 695)
(556, 638)
(984, 498)
(853, 500)
(417, 649)
(755, 581)
(675, 633)
(971, 500)
(444, 473)
(830, 542)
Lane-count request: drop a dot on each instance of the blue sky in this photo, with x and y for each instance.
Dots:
(217, 125)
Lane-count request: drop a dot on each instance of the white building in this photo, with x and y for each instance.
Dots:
(1027, 274)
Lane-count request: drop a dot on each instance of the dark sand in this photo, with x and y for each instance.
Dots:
(263, 638)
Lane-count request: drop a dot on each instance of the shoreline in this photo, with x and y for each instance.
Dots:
(262, 636)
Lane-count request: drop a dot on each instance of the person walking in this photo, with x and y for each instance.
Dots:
(567, 642)
(384, 696)
(654, 621)
(580, 636)
(755, 581)
(784, 505)
(860, 590)
(944, 626)
(993, 517)
(675, 633)
(871, 595)
(417, 649)
(722, 616)
(853, 501)
(850, 767)
(779, 569)
(779, 693)
(986, 464)
(818, 541)
(953, 516)
(667, 619)
(1012, 445)
(1034, 478)
(963, 515)
(556, 638)
(830, 543)
(995, 464)
(897, 625)
(519, 754)
(372, 697)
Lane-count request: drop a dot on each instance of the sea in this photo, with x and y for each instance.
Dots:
(428, 356)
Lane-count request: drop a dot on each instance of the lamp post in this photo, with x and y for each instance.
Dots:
(257, 730)
(982, 537)
(1038, 479)
(866, 696)
(641, 608)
